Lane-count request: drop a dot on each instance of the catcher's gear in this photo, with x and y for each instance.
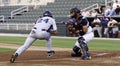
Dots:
(86, 57)
(74, 12)
(76, 52)
(82, 43)
(47, 13)
(13, 58)
(84, 47)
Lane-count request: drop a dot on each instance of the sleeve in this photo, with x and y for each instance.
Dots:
(115, 21)
(54, 25)
(84, 22)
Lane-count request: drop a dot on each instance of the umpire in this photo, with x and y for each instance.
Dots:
(85, 35)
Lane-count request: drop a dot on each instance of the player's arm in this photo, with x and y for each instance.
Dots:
(95, 23)
(110, 25)
(118, 23)
(54, 30)
(115, 23)
(85, 28)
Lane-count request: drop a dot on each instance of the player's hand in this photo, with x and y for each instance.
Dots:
(62, 22)
(54, 32)
(77, 31)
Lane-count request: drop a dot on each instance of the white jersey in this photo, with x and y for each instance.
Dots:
(97, 20)
(46, 23)
(113, 21)
(115, 28)
(40, 31)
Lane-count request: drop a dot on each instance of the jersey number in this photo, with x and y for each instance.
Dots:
(43, 20)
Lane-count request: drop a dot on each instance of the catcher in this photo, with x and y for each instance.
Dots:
(44, 27)
(85, 35)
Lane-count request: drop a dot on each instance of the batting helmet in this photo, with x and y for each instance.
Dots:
(47, 13)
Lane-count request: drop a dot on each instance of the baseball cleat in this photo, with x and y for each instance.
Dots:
(86, 57)
(50, 54)
(13, 58)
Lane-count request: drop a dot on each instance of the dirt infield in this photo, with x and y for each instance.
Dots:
(37, 56)
(62, 58)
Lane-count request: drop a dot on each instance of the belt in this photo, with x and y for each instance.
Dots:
(34, 28)
(41, 29)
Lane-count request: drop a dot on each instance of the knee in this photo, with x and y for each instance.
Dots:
(81, 40)
(82, 43)
(76, 49)
(76, 52)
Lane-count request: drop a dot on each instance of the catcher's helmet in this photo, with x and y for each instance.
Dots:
(75, 10)
(47, 13)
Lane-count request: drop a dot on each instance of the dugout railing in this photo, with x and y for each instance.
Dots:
(19, 11)
(2, 18)
(25, 28)
(91, 7)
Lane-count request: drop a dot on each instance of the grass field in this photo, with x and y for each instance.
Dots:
(96, 44)
(6, 50)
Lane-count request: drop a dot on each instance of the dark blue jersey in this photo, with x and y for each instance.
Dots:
(82, 21)
(104, 22)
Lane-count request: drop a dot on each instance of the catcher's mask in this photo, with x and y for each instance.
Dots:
(47, 13)
(74, 12)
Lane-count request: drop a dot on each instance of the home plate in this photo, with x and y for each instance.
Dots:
(101, 54)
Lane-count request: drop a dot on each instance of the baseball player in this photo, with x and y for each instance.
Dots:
(97, 25)
(42, 30)
(85, 35)
(112, 28)
(104, 21)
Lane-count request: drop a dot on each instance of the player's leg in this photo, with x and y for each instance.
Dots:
(26, 45)
(49, 44)
(94, 28)
(84, 48)
(106, 32)
(76, 50)
(115, 32)
(21, 49)
(99, 31)
(83, 44)
(50, 51)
